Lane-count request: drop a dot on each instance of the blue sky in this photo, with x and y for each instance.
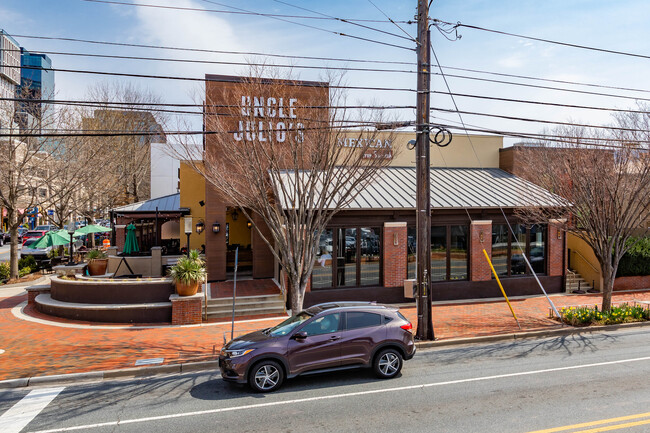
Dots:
(618, 25)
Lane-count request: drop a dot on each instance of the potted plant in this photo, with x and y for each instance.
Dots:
(188, 273)
(97, 262)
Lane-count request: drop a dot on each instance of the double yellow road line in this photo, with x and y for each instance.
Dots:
(616, 424)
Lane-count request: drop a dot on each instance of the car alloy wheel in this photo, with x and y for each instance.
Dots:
(266, 376)
(388, 363)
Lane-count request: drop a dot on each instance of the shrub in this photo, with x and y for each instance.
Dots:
(5, 270)
(24, 271)
(95, 254)
(188, 269)
(636, 261)
(27, 262)
(624, 313)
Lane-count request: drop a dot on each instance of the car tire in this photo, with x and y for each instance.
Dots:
(388, 363)
(266, 376)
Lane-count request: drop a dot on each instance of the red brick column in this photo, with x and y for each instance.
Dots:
(479, 268)
(555, 242)
(395, 250)
(186, 310)
(120, 236)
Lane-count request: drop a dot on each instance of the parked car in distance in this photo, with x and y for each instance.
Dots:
(40, 254)
(5, 238)
(323, 338)
(33, 234)
(45, 227)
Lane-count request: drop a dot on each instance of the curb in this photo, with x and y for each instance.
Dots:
(99, 376)
(565, 330)
(193, 367)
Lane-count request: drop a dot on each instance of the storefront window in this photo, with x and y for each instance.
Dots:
(322, 274)
(508, 251)
(370, 258)
(500, 249)
(458, 253)
(438, 253)
(518, 249)
(538, 248)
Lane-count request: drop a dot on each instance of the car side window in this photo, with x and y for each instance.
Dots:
(357, 320)
(323, 325)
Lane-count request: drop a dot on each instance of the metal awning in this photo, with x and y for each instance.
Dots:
(394, 188)
(166, 204)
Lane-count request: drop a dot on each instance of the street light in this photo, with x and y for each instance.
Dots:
(188, 232)
(71, 229)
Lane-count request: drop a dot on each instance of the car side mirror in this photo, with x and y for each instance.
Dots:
(300, 335)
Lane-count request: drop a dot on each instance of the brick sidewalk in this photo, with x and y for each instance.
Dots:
(36, 349)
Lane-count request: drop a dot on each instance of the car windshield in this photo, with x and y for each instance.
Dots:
(288, 325)
(29, 242)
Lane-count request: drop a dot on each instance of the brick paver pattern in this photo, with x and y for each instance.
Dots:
(35, 349)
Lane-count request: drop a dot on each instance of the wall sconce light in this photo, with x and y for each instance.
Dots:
(200, 226)
(249, 224)
(201, 203)
(234, 215)
(559, 235)
(216, 227)
(480, 236)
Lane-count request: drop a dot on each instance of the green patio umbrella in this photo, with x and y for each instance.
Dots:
(52, 238)
(131, 243)
(91, 228)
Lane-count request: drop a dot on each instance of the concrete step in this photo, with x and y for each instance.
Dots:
(247, 306)
(227, 312)
(245, 299)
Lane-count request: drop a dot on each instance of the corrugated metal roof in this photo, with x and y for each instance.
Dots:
(451, 188)
(168, 203)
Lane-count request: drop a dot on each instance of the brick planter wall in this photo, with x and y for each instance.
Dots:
(632, 283)
(186, 310)
(395, 251)
(479, 267)
(34, 291)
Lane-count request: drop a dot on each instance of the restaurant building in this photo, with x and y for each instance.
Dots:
(368, 250)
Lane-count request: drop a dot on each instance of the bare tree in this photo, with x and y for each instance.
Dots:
(277, 152)
(605, 176)
(124, 108)
(26, 168)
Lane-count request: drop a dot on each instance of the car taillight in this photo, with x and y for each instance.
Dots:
(407, 327)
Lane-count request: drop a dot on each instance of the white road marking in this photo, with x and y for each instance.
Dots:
(336, 396)
(23, 412)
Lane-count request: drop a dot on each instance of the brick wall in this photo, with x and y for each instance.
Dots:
(632, 283)
(479, 268)
(186, 310)
(395, 251)
(555, 242)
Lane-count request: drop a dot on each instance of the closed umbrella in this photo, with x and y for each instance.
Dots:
(131, 243)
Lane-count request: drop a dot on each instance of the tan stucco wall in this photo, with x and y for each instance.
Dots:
(192, 192)
(476, 151)
(580, 248)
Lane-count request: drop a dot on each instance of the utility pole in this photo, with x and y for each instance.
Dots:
(423, 206)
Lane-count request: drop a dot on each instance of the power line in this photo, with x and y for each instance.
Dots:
(549, 41)
(274, 16)
(200, 50)
(332, 59)
(239, 12)
(525, 119)
(343, 20)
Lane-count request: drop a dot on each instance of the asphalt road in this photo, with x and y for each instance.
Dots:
(598, 379)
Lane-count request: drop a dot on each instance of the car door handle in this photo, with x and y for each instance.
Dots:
(335, 337)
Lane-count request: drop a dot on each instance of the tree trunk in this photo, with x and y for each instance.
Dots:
(13, 249)
(608, 288)
(297, 296)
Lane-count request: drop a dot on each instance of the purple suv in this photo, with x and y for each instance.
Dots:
(322, 338)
